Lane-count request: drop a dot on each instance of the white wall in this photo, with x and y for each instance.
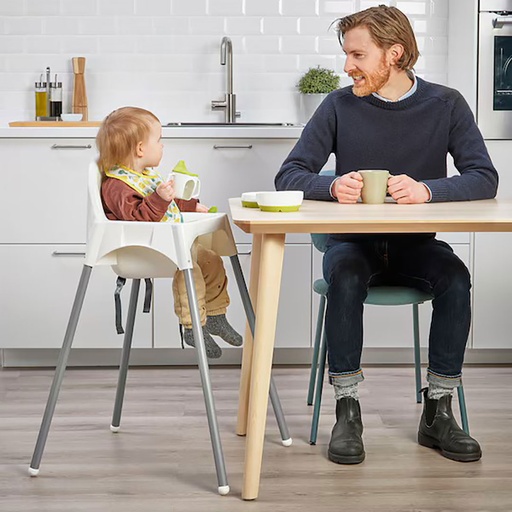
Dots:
(164, 54)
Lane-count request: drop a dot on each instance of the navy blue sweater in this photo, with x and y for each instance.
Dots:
(412, 137)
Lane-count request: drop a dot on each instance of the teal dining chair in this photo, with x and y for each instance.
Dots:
(377, 296)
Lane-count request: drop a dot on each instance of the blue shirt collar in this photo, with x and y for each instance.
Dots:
(410, 92)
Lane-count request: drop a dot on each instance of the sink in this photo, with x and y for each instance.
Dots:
(223, 125)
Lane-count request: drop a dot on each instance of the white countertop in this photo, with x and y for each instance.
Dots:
(174, 132)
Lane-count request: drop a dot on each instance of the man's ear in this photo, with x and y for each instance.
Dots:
(395, 52)
(139, 150)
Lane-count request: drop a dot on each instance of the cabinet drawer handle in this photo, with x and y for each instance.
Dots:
(60, 146)
(241, 146)
(60, 254)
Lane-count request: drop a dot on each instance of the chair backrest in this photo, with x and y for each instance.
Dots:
(320, 239)
(149, 249)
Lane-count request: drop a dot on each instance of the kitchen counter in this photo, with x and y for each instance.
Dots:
(174, 132)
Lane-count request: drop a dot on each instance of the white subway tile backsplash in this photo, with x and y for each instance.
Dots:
(61, 25)
(189, 7)
(299, 44)
(225, 7)
(79, 7)
(244, 25)
(302, 8)
(152, 7)
(261, 44)
(166, 52)
(207, 25)
(41, 8)
(117, 7)
(273, 25)
(318, 26)
(262, 8)
(22, 26)
(11, 8)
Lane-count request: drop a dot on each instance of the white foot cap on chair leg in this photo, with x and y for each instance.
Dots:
(287, 442)
(33, 472)
(114, 429)
(223, 490)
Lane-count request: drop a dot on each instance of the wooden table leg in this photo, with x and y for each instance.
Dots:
(245, 375)
(269, 284)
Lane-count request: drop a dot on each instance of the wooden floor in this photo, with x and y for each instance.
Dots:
(162, 461)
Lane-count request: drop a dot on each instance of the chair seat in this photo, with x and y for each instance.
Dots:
(384, 295)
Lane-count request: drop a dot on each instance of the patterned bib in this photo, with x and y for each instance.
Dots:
(145, 183)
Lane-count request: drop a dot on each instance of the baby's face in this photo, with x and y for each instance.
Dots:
(153, 147)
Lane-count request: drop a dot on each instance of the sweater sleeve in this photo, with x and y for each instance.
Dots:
(187, 205)
(478, 178)
(121, 202)
(300, 169)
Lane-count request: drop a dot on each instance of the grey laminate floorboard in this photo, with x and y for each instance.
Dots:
(162, 461)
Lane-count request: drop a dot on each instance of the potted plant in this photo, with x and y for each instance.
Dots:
(314, 86)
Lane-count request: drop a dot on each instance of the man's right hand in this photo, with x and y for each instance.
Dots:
(347, 188)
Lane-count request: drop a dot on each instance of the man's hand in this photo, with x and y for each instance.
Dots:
(347, 188)
(404, 190)
(166, 190)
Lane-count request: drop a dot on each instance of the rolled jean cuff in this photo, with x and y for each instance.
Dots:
(444, 381)
(346, 378)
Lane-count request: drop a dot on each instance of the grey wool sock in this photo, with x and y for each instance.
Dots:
(436, 392)
(350, 391)
(213, 351)
(218, 325)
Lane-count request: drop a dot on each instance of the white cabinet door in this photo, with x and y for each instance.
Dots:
(38, 289)
(377, 319)
(293, 324)
(492, 318)
(48, 202)
(227, 168)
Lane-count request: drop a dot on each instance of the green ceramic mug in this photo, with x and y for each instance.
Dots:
(375, 185)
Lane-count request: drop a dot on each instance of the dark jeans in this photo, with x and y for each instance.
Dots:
(352, 263)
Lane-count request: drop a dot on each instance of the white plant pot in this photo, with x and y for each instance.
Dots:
(308, 104)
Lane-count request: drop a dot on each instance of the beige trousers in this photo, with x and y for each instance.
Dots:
(211, 288)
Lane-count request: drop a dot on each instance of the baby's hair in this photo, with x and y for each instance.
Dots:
(119, 134)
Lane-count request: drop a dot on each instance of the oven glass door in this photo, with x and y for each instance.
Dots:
(502, 94)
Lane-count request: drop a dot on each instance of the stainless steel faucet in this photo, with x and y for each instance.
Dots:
(228, 104)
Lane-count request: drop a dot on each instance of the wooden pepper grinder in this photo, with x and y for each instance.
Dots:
(79, 94)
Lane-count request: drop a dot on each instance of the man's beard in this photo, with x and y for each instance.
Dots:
(373, 82)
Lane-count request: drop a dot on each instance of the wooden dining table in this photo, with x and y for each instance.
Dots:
(269, 230)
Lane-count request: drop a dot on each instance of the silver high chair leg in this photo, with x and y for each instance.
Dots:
(59, 370)
(249, 313)
(205, 381)
(125, 356)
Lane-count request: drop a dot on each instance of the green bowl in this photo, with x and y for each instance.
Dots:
(249, 204)
(294, 208)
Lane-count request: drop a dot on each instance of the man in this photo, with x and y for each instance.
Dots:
(391, 119)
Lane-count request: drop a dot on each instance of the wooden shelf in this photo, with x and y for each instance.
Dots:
(55, 124)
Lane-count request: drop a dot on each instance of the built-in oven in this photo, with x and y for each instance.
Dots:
(494, 108)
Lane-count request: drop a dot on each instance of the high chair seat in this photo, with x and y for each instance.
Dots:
(139, 250)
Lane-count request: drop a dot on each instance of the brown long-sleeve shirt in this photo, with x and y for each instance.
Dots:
(122, 202)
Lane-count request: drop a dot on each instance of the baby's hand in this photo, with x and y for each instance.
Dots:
(201, 208)
(166, 190)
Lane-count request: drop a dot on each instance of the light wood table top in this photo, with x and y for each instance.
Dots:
(269, 230)
(331, 217)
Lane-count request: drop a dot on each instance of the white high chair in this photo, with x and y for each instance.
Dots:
(138, 250)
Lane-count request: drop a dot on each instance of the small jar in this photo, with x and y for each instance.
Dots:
(41, 100)
(55, 99)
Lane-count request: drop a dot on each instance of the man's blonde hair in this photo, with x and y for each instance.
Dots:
(387, 26)
(119, 134)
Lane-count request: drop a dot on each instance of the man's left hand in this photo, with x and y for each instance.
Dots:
(404, 190)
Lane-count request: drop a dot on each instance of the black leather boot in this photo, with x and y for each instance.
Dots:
(346, 445)
(438, 429)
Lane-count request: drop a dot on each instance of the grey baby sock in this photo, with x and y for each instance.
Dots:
(218, 325)
(213, 351)
(350, 391)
